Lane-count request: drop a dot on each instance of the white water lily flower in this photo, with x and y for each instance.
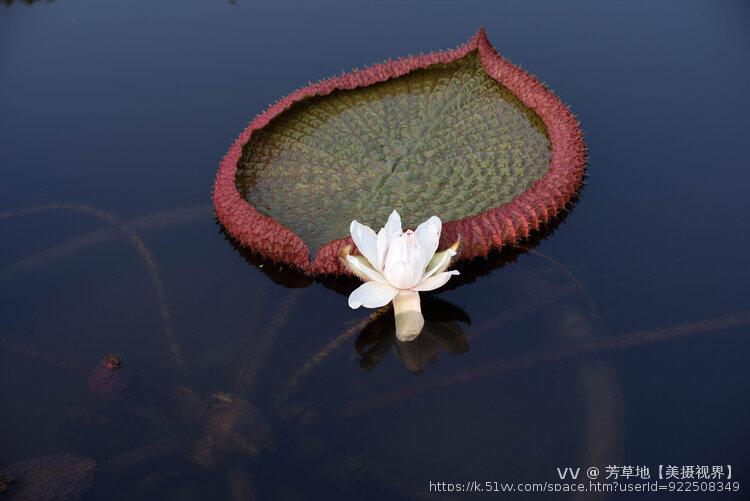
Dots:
(396, 266)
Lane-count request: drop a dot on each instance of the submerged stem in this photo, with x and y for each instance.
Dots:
(143, 250)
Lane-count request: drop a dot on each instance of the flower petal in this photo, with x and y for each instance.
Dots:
(372, 295)
(385, 236)
(403, 275)
(441, 260)
(434, 281)
(363, 269)
(428, 236)
(365, 240)
(396, 251)
(404, 248)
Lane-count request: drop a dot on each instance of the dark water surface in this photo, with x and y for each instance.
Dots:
(631, 350)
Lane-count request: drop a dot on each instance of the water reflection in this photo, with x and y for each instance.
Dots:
(441, 332)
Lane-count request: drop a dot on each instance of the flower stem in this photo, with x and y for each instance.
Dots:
(408, 312)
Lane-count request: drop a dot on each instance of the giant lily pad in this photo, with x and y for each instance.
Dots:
(462, 134)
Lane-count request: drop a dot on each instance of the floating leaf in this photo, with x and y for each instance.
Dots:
(461, 134)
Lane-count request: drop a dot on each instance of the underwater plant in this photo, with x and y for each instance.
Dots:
(230, 434)
(461, 133)
(110, 379)
(58, 477)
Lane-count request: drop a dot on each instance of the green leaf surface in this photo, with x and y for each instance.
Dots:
(446, 140)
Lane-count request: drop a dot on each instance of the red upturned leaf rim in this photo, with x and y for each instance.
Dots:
(480, 233)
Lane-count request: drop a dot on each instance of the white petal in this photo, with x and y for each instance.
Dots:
(365, 240)
(385, 236)
(404, 275)
(405, 248)
(439, 262)
(372, 295)
(428, 235)
(393, 226)
(404, 261)
(363, 267)
(383, 242)
(397, 251)
(434, 281)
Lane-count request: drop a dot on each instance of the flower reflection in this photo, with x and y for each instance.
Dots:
(442, 331)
